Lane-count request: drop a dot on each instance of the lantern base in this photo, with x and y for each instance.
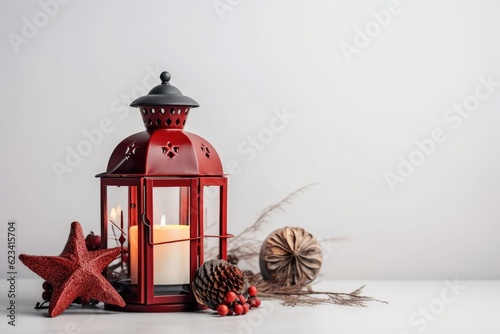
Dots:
(156, 308)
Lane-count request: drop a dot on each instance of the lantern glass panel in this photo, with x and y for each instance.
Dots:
(118, 212)
(211, 226)
(171, 208)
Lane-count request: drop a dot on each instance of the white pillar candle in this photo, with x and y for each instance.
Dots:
(171, 261)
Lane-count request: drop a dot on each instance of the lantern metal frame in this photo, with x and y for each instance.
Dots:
(162, 156)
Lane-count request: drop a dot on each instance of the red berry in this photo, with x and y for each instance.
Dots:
(257, 302)
(46, 286)
(246, 307)
(125, 258)
(46, 295)
(242, 299)
(238, 309)
(230, 297)
(252, 291)
(93, 241)
(251, 302)
(222, 310)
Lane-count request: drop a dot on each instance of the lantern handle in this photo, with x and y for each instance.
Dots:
(145, 221)
(130, 151)
(114, 169)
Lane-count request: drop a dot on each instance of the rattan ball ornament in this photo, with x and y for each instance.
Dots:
(214, 279)
(290, 256)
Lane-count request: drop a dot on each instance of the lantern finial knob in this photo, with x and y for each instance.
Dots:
(165, 78)
(164, 95)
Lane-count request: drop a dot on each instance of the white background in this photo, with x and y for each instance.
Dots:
(353, 117)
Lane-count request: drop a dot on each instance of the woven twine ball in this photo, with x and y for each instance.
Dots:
(290, 256)
(214, 279)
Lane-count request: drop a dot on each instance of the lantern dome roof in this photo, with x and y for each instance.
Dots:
(164, 152)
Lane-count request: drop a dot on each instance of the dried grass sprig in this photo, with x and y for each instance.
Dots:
(246, 245)
(305, 295)
(269, 211)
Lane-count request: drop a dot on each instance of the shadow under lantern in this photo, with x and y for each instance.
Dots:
(164, 203)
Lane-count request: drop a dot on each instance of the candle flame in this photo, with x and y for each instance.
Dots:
(162, 221)
(112, 214)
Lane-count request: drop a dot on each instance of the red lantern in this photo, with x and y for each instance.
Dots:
(163, 201)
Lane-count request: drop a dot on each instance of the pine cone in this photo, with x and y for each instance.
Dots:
(214, 279)
(290, 256)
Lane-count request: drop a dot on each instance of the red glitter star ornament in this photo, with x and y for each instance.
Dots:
(75, 273)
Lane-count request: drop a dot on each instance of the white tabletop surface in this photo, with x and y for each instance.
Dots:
(452, 306)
